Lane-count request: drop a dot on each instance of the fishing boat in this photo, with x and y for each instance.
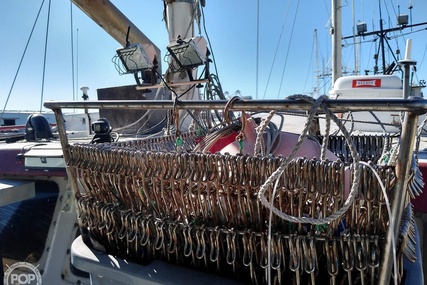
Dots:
(211, 198)
(385, 79)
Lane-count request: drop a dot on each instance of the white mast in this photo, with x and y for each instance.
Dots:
(356, 41)
(317, 71)
(336, 32)
(181, 17)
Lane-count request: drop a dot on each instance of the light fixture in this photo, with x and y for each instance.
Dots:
(84, 90)
(101, 127)
(134, 58)
(102, 130)
(402, 20)
(361, 27)
(185, 53)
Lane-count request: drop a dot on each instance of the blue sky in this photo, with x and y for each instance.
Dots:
(286, 26)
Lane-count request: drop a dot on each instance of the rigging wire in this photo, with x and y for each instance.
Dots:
(208, 40)
(313, 50)
(422, 58)
(193, 18)
(287, 52)
(372, 46)
(328, 11)
(257, 51)
(20, 62)
(45, 54)
(395, 33)
(72, 52)
(355, 40)
(277, 49)
(77, 60)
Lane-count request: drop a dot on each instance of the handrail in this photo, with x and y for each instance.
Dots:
(412, 104)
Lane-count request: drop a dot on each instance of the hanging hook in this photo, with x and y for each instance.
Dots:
(178, 141)
(227, 108)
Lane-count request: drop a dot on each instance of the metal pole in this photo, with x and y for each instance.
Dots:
(64, 145)
(399, 198)
(336, 32)
(382, 36)
(407, 63)
(403, 165)
(414, 104)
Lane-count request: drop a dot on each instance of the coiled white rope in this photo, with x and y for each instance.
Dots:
(319, 103)
(353, 192)
(276, 174)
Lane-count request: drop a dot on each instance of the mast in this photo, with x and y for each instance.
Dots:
(382, 38)
(336, 32)
(181, 17)
(356, 41)
(317, 71)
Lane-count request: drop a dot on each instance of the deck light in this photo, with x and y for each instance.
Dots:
(185, 53)
(361, 28)
(101, 126)
(133, 58)
(102, 130)
(402, 20)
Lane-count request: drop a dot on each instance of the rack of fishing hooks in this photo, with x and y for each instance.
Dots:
(260, 219)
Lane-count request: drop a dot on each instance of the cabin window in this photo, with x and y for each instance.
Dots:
(9, 122)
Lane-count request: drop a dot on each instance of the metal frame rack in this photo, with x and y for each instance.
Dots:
(413, 107)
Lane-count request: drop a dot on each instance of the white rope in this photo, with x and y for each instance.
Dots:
(276, 174)
(274, 177)
(326, 137)
(387, 204)
(259, 142)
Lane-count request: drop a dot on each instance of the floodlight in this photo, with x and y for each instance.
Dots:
(361, 27)
(402, 20)
(103, 131)
(185, 53)
(133, 58)
(101, 126)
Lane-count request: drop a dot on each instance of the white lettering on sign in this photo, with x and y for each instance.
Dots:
(360, 83)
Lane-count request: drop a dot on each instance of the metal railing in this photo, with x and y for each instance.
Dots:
(413, 107)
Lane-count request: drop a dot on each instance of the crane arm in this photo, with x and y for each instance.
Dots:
(116, 24)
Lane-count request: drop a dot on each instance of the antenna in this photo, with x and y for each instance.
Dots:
(127, 37)
(382, 38)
